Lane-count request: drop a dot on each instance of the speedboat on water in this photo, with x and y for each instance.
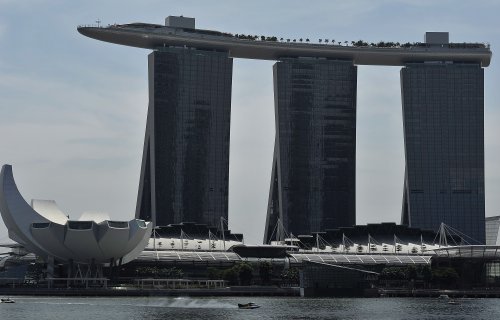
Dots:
(249, 305)
(6, 300)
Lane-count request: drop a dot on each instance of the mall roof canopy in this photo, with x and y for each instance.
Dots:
(469, 251)
(217, 257)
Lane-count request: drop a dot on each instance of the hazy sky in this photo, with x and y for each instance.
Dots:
(73, 109)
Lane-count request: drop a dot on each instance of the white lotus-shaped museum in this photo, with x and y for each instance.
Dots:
(45, 230)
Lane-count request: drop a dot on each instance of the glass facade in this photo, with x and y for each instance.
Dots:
(185, 165)
(443, 112)
(492, 272)
(313, 177)
(319, 275)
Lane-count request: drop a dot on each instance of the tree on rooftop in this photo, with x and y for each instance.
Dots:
(360, 43)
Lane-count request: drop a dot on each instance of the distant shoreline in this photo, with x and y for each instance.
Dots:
(128, 292)
(263, 291)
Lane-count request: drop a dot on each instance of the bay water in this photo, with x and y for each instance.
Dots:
(92, 308)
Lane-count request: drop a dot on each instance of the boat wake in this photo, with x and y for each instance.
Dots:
(178, 302)
(186, 302)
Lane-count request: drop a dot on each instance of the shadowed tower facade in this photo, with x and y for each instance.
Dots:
(313, 175)
(185, 164)
(443, 118)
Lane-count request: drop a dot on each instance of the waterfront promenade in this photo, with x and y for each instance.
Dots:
(147, 292)
(133, 291)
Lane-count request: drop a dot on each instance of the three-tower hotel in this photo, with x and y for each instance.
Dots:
(185, 165)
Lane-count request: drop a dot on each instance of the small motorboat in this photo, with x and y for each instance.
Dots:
(452, 302)
(6, 300)
(444, 296)
(249, 305)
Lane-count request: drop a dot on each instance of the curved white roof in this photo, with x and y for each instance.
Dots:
(96, 216)
(469, 251)
(389, 259)
(49, 209)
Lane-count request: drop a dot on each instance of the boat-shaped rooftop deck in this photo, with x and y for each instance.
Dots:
(151, 36)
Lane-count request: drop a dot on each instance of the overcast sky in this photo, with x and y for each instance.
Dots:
(73, 109)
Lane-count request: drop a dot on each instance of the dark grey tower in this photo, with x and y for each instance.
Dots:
(443, 121)
(313, 176)
(185, 164)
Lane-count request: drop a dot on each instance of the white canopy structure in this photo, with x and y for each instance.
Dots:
(45, 230)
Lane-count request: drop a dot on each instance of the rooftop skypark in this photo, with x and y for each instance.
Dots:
(181, 32)
(321, 41)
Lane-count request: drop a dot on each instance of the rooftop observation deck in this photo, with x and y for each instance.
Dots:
(152, 36)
